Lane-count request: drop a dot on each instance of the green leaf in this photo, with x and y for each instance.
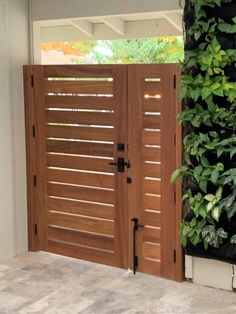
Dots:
(233, 239)
(231, 211)
(209, 197)
(216, 213)
(203, 185)
(214, 176)
(218, 92)
(206, 92)
(222, 233)
(178, 173)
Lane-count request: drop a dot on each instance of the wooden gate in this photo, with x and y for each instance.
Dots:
(101, 149)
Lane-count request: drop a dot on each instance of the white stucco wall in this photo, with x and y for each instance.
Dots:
(13, 54)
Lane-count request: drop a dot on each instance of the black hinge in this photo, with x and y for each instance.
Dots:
(35, 180)
(129, 180)
(35, 229)
(175, 81)
(175, 140)
(33, 130)
(32, 80)
(174, 256)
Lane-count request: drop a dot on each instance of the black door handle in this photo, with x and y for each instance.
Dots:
(120, 164)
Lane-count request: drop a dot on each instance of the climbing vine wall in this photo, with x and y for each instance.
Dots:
(208, 93)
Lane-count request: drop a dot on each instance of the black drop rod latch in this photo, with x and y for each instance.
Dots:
(135, 229)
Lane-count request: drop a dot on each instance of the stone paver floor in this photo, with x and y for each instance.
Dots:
(51, 284)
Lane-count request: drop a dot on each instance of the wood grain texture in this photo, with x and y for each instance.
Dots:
(30, 157)
(89, 209)
(151, 137)
(80, 118)
(81, 178)
(78, 71)
(82, 252)
(79, 163)
(81, 193)
(78, 87)
(81, 238)
(79, 102)
(80, 133)
(82, 223)
(80, 148)
(154, 205)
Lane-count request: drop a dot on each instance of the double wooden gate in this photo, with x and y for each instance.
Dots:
(101, 147)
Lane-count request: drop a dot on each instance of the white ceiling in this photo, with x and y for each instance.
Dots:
(148, 24)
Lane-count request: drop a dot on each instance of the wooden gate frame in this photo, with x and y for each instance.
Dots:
(33, 218)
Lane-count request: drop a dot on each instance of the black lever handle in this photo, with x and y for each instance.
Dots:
(120, 164)
(113, 163)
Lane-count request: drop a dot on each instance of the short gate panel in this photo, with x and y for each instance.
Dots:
(152, 150)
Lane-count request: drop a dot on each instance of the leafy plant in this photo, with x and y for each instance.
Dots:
(205, 86)
(208, 89)
(212, 236)
(233, 239)
(210, 57)
(213, 115)
(191, 231)
(201, 175)
(198, 145)
(205, 205)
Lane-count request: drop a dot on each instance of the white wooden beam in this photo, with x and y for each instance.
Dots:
(116, 24)
(84, 26)
(175, 19)
(136, 29)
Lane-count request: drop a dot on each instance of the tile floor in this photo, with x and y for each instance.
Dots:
(52, 284)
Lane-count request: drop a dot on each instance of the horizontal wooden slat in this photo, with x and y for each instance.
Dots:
(87, 71)
(81, 252)
(151, 121)
(151, 267)
(152, 105)
(151, 137)
(81, 178)
(151, 218)
(152, 186)
(81, 223)
(152, 88)
(152, 154)
(152, 251)
(79, 102)
(152, 170)
(80, 163)
(81, 208)
(83, 87)
(151, 234)
(82, 133)
(84, 118)
(81, 193)
(152, 202)
(81, 238)
(80, 148)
